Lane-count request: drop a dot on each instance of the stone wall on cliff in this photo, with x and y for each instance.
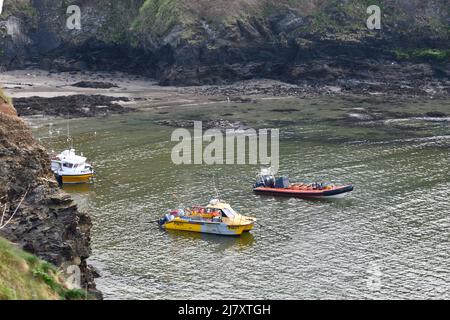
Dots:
(47, 223)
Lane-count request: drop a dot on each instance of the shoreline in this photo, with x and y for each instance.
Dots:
(131, 92)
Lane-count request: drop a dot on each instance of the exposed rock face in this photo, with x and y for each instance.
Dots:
(219, 124)
(218, 41)
(94, 85)
(7, 109)
(48, 222)
(74, 105)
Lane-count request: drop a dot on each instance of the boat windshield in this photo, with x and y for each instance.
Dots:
(229, 212)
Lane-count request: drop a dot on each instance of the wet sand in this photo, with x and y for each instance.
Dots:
(235, 102)
(142, 92)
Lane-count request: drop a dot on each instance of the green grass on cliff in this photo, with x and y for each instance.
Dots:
(336, 17)
(423, 54)
(4, 97)
(157, 17)
(144, 23)
(22, 8)
(25, 277)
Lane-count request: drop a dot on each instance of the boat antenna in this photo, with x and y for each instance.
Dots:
(217, 192)
(177, 198)
(50, 134)
(69, 139)
(215, 187)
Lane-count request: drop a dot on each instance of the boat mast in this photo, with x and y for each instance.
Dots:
(217, 193)
(69, 139)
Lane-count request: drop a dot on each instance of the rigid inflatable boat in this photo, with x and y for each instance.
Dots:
(268, 184)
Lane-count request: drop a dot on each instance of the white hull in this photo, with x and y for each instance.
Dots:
(337, 196)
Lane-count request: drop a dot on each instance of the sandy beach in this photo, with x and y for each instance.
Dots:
(142, 92)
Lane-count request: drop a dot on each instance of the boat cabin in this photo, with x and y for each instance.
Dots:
(70, 163)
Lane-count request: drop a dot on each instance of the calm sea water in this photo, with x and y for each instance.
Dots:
(389, 239)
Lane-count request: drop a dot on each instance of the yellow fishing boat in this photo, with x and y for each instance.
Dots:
(218, 217)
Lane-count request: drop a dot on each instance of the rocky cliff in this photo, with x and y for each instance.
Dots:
(47, 222)
(216, 41)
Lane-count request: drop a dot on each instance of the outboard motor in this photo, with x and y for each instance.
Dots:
(269, 181)
(162, 221)
(265, 179)
(166, 218)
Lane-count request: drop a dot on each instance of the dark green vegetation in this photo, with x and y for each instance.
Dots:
(423, 54)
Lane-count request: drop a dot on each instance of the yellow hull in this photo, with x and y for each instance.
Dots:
(83, 178)
(248, 227)
(183, 226)
(212, 228)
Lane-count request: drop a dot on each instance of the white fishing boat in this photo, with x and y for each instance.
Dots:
(70, 168)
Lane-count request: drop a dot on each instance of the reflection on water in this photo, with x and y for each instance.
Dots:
(82, 193)
(77, 188)
(191, 238)
(395, 226)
